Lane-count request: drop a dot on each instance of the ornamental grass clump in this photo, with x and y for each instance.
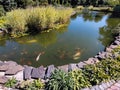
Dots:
(16, 21)
(36, 19)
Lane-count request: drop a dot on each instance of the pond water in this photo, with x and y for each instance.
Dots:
(84, 37)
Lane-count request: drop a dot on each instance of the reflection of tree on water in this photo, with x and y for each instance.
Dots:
(92, 16)
(108, 31)
(106, 37)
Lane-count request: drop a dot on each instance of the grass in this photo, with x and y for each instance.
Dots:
(36, 19)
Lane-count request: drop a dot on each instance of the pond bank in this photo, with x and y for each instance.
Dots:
(9, 69)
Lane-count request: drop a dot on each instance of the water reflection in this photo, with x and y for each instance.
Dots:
(108, 31)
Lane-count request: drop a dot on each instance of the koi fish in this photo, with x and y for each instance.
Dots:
(38, 57)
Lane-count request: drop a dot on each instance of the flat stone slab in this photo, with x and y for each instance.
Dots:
(81, 64)
(14, 69)
(49, 71)
(19, 76)
(2, 74)
(3, 80)
(72, 67)
(27, 72)
(64, 68)
(38, 72)
(7, 65)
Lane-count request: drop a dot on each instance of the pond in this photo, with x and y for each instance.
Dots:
(85, 36)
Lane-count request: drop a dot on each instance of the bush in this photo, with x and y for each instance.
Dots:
(31, 85)
(79, 80)
(60, 81)
(11, 83)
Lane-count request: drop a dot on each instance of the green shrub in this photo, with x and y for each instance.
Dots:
(31, 85)
(95, 75)
(79, 80)
(60, 81)
(11, 83)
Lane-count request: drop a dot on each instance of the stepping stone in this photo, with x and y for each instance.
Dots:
(72, 67)
(27, 72)
(81, 65)
(13, 70)
(64, 68)
(49, 71)
(3, 80)
(38, 73)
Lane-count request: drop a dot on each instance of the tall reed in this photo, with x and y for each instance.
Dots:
(36, 19)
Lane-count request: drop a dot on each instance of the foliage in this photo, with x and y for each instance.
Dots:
(2, 22)
(90, 75)
(31, 85)
(16, 21)
(113, 2)
(11, 83)
(95, 74)
(59, 81)
(79, 80)
(2, 11)
(36, 19)
(116, 11)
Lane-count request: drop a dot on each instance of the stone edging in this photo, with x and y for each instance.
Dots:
(9, 69)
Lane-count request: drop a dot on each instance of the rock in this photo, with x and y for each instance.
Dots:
(72, 67)
(90, 61)
(38, 73)
(13, 70)
(64, 68)
(19, 76)
(2, 74)
(7, 65)
(116, 42)
(81, 65)
(109, 50)
(112, 46)
(101, 55)
(27, 72)
(3, 80)
(49, 70)
(1, 63)
(12, 63)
